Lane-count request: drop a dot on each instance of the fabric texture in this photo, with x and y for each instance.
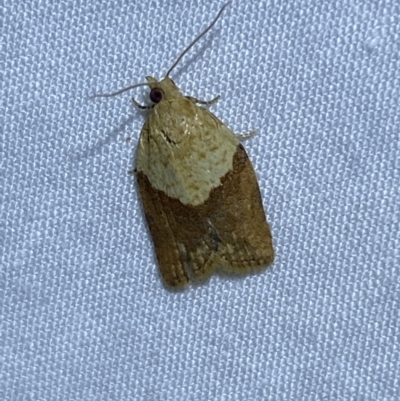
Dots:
(83, 312)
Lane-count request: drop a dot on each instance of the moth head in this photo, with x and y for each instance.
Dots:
(162, 90)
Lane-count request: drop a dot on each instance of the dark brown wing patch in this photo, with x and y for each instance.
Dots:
(167, 249)
(228, 231)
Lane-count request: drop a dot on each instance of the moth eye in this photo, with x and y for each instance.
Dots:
(156, 95)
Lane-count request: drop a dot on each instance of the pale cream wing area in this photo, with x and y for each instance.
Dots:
(184, 150)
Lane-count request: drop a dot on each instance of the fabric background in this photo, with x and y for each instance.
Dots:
(83, 312)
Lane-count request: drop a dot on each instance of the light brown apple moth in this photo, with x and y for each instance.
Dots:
(198, 188)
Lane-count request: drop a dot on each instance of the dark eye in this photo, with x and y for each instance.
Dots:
(156, 95)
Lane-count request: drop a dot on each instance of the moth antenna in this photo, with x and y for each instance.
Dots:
(197, 39)
(173, 65)
(119, 91)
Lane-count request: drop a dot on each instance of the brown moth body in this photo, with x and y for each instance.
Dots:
(198, 188)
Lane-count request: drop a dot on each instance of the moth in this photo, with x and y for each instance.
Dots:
(198, 188)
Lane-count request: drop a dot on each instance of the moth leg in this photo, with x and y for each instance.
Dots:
(205, 102)
(139, 106)
(246, 135)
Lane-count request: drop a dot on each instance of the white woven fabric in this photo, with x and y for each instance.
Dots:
(83, 312)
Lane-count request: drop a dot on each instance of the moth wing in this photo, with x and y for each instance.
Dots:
(238, 233)
(155, 207)
(228, 228)
(231, 230)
